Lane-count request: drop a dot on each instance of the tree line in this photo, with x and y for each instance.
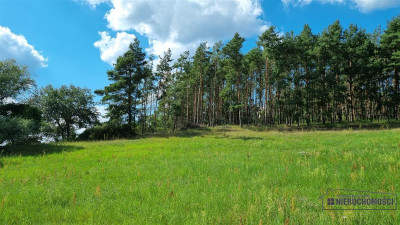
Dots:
(338, 75)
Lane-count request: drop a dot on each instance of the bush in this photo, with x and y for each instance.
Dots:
(19, 123)
(109, 130)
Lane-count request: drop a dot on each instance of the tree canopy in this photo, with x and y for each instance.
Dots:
(67, 108)
(14, 80)
(127, 76)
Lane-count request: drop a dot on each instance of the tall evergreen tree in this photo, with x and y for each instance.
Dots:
(201, 65)
(390, 43)
(121, 95)
(268, 40)
(306, 43)
(165, 79)
(234, 60)
(254, 65)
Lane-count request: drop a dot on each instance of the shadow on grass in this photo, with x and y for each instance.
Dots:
(184, 133)
(37, 149)
(361, 125)
(223, 129)
(243, 138)
(233, 132)
(228, 131)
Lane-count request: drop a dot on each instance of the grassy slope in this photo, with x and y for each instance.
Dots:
(223, 175)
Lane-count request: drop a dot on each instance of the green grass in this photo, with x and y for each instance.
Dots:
(223, 175)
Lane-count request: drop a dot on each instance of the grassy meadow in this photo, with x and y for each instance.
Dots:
(223, 175)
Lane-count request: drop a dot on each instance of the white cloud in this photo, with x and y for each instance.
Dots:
(13, 46)
(102, 113)
(185, 21)
(159, 47)
(370, 5)
(182, 24)
(307, 2)
(101, 110)
(112, 47)
(93, 3)
(362, 5)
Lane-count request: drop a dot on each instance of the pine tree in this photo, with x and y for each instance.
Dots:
(390, 43)
(234, 59)
(268, 41)
(122, 94)
(201, 65)
(164, 77)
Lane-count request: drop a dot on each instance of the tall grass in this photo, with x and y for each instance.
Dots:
(223, 175)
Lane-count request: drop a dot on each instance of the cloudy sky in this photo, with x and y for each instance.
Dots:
(76, 41)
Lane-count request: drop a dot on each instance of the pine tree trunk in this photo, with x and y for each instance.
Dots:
(266, 92)
(238, 95)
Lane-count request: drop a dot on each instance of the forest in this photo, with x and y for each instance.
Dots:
(339, 75)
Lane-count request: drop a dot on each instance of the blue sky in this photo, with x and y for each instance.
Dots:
(62, 44)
